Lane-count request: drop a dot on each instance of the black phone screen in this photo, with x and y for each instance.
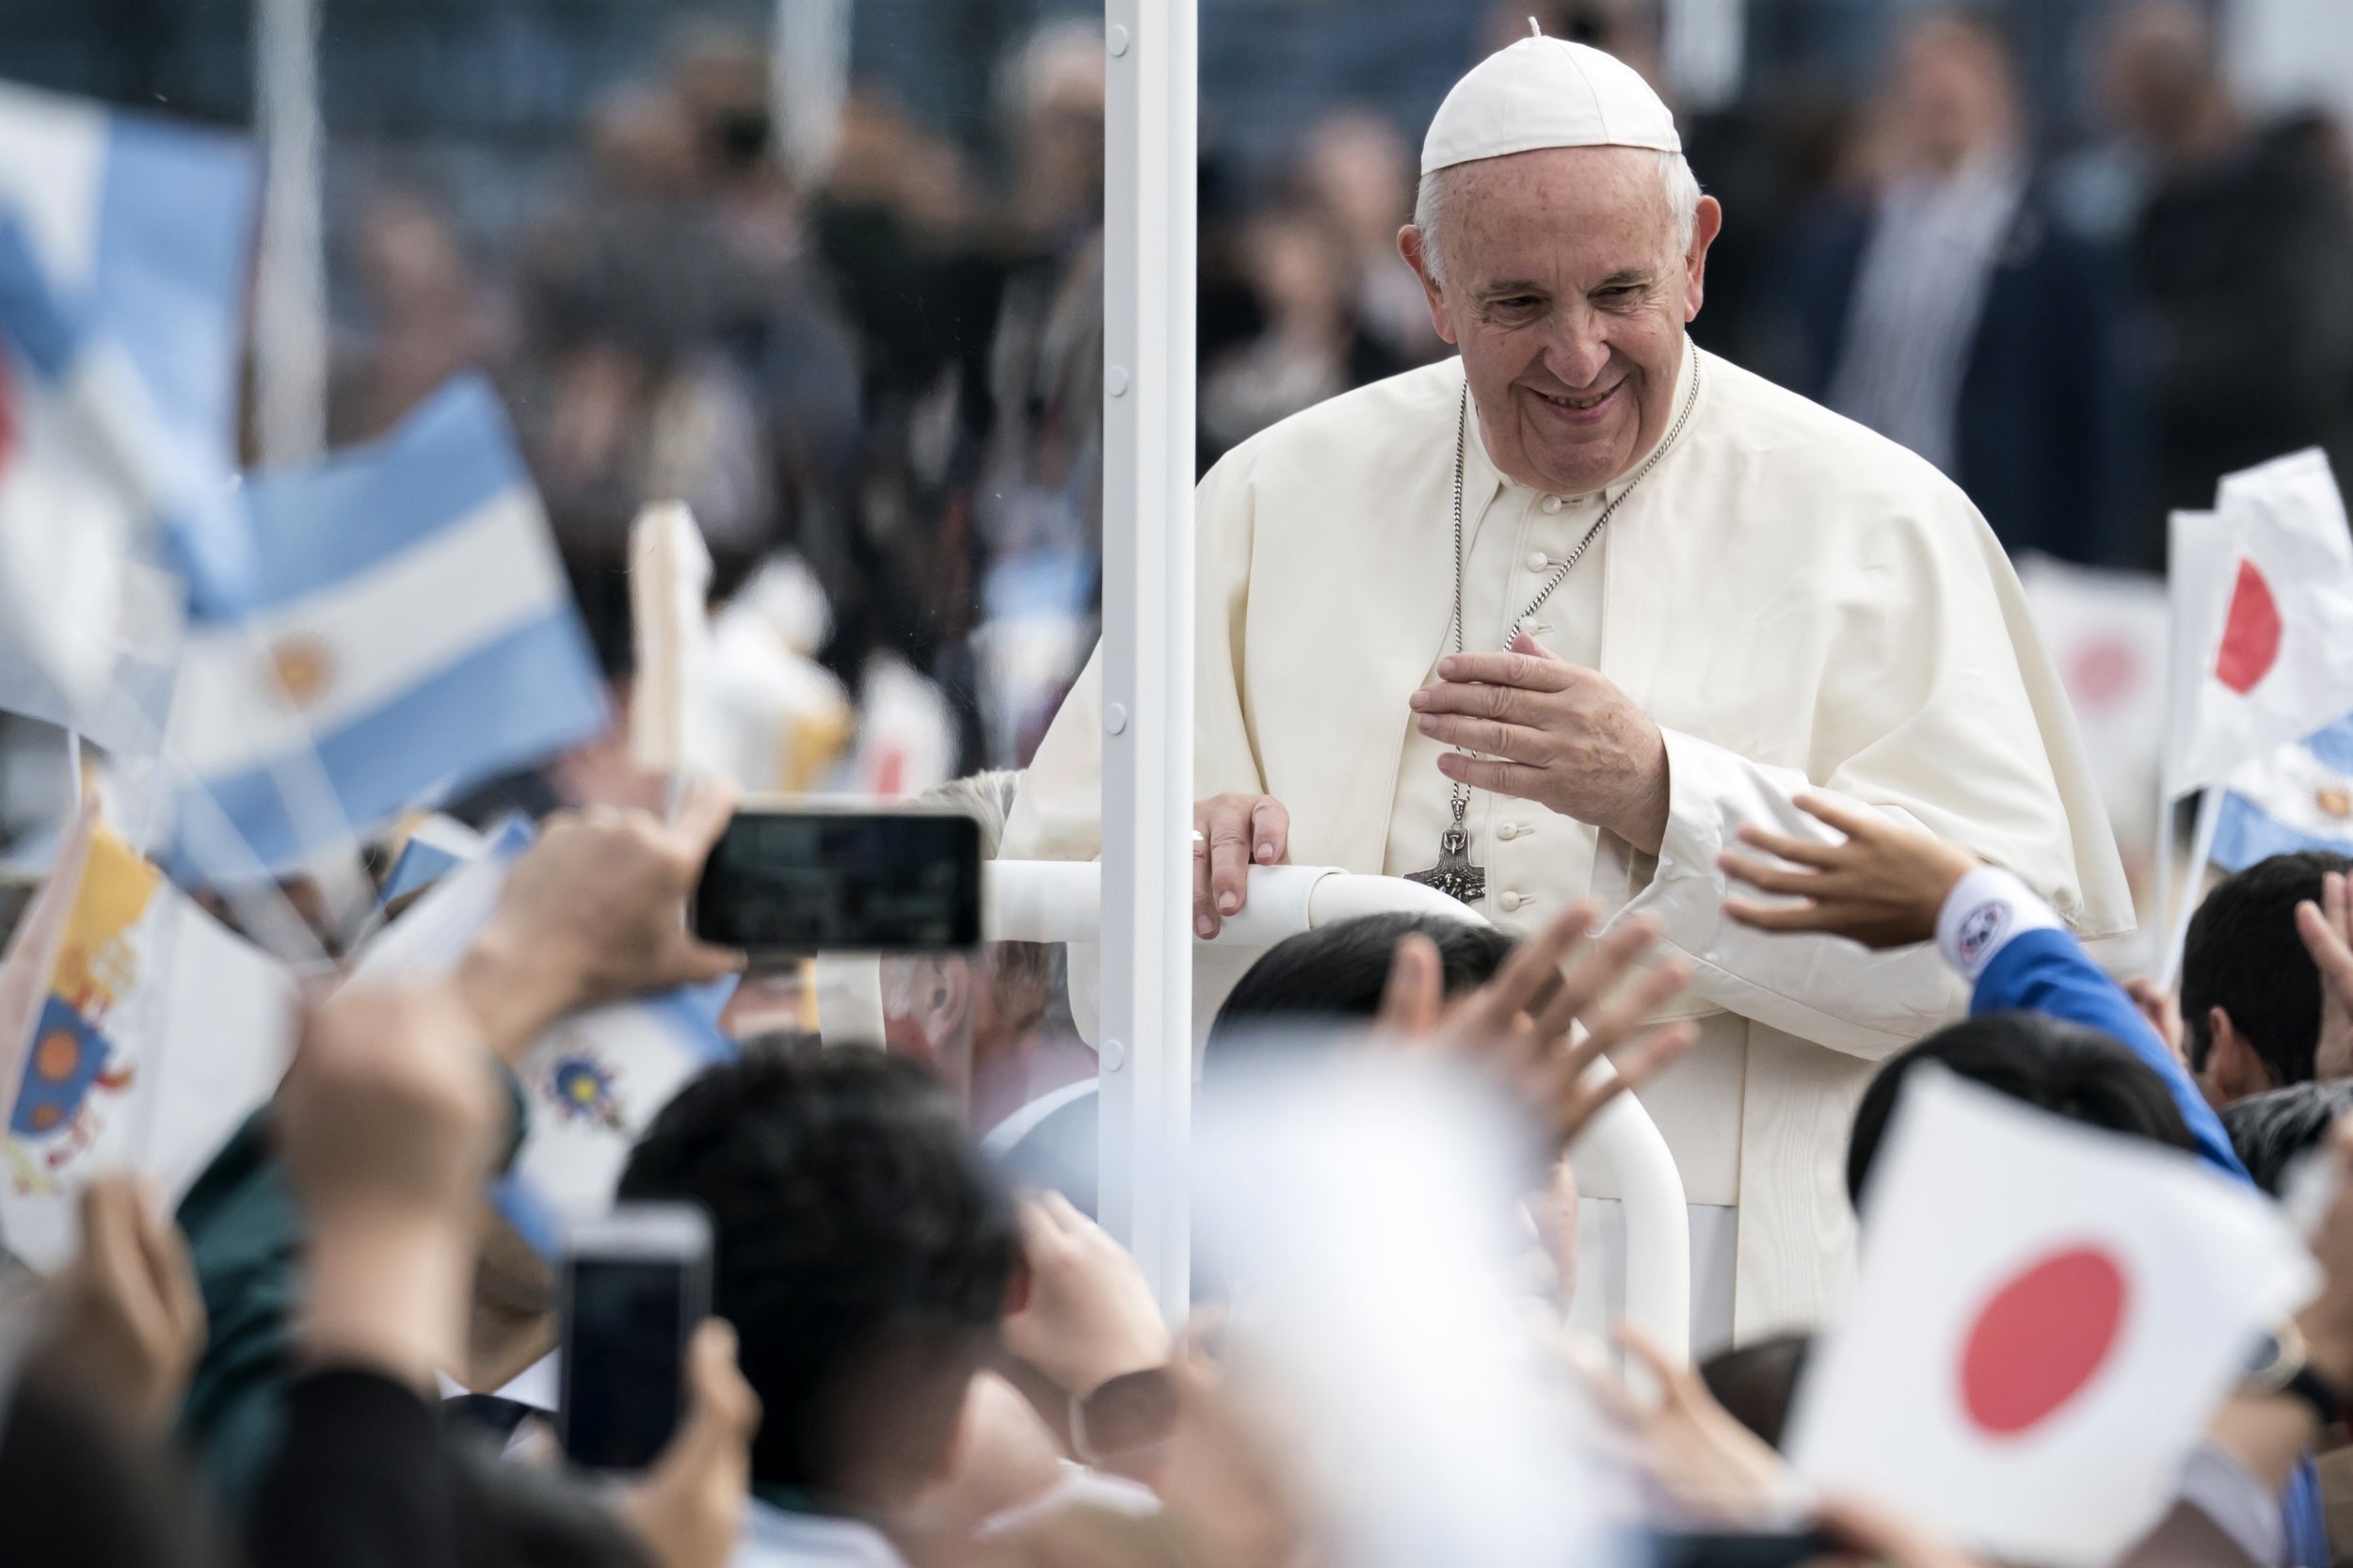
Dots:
(795, 882)
(627, 1321)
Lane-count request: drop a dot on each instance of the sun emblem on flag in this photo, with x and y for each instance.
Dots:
(583, 1089)
(300, 670)
(2333, 800)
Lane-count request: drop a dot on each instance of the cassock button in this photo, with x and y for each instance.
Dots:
(1510, 901)
(1538, 560)
(1552, 503)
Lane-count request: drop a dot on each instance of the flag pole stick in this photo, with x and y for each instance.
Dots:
(289, 293)
(2161, 893)
(2201, 849)
(73, 770)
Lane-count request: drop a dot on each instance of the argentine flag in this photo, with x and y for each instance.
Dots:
(124, 247)
(2299, 797)
(411, 632)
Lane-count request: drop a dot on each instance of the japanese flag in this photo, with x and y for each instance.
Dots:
(2047, 1317)
(2263, 619)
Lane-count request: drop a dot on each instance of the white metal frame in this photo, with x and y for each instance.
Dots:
(1150, 156)
(1042, 901)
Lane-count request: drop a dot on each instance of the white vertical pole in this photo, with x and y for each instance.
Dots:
(290, 301)
(809, 80)
(1147, 1062)
(1705, 44)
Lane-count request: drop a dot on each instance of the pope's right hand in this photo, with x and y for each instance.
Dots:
(1230, 834)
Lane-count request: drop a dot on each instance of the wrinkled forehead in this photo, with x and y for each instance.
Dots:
(1591, 212)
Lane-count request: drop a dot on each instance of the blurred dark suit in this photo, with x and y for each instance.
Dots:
(2046, 426)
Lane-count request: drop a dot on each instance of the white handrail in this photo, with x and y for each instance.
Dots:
(1047, 901)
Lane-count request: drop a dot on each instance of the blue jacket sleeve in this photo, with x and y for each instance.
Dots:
(2048, 971)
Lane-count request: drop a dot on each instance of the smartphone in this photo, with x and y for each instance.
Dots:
(1742, 1549)
(785, 884)
(636, 1284)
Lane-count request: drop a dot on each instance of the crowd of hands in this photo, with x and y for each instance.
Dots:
(391, 1118)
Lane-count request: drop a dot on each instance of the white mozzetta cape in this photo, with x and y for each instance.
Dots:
(1797, 601)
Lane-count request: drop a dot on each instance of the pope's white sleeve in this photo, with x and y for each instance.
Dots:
(1821, 988)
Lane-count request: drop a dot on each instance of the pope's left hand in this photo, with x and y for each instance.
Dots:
(1553, 732)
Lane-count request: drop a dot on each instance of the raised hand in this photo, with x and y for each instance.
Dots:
(593, 912)
(2327, 928)
(125, 1321)
(1882, 887)
(1090, 1316)
(1521, 1025)
(688, 1509)
(387, 1123)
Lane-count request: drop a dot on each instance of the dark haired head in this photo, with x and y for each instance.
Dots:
(861, 1250)
(2271, 1131)
(2244, 957)
(2053, 1065)
(1337, 972)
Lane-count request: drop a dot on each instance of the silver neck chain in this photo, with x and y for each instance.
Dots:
(1568, 563)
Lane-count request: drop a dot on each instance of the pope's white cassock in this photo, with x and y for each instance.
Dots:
(1797, 601)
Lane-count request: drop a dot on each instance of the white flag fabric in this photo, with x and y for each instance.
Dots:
(122, 263)
(149, 1033)
(2047, 1316)
(2107, 632)
(670, 586)
(2262, 657)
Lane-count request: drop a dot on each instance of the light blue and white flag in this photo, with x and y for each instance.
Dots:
(411, 632)
(435, 847)
(2299, 797)
(123, 246)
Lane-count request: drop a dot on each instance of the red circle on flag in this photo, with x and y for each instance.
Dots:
(2039, 1339)
(2250, 638)
(2103, 672)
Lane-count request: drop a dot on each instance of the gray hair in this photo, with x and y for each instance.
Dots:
(1674, 172)
(985, 797)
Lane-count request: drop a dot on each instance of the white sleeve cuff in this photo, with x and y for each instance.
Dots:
(1983, 912)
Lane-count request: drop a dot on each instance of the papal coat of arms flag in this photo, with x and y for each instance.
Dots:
(135, 1033)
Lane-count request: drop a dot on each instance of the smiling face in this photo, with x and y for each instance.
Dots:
(1566, 286)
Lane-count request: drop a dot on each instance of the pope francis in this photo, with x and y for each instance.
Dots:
(1554, 619)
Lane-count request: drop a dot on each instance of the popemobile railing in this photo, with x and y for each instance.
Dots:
(1042, 901)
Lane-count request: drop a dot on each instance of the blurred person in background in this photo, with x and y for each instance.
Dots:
(622, 393)
(777, 323)
(897, 222)
(1039, 504)
(1356, 168)
(2241, 251)
(426, 317)
(1954, 311)
(1314, 344)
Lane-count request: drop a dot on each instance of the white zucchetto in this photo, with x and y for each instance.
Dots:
(1547, 92)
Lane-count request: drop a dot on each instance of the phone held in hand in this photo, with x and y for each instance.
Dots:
(1742, 1549)
(785, 884)
(636, 1284)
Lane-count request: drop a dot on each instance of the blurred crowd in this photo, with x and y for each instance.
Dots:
(890, 372)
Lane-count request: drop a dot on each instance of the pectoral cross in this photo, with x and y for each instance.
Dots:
(1455, 876)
